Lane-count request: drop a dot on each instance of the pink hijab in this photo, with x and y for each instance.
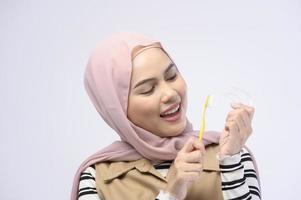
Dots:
(107, 80)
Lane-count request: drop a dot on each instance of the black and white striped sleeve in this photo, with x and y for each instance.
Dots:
(239, 178)
(87, 185)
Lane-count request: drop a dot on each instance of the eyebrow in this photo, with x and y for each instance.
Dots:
(152, 79)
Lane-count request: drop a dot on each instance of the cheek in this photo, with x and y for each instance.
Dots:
(182, 88)
(142, 108)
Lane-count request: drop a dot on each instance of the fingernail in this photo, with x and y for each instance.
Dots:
(235, 104)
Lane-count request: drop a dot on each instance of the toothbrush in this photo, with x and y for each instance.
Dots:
(203, 122)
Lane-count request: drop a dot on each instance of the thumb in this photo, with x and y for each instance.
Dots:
(193, 144)
(188, 146)
(251, 111)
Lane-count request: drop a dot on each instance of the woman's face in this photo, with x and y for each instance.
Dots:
(157, 97)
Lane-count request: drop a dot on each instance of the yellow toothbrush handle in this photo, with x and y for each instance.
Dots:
(203, 122)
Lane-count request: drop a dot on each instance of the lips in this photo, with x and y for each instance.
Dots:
(171, 110)
(174, 115)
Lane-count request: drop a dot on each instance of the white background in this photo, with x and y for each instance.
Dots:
(48, 125)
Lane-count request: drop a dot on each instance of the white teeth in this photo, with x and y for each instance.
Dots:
(172, 111)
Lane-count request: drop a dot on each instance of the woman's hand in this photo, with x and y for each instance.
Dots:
(187, 168)
(237, 129)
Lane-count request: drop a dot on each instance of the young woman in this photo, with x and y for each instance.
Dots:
(138, 90)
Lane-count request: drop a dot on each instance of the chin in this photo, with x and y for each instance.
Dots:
(175, 132)
(170, 130)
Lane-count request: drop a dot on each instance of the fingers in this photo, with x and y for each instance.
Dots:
(240, 121)
(246, 119)
(237, 129)
(250, 110)
(243, 113)
(224, 137)
(184, 170)
(193, 144)
(191, 167)
(192, 152)
(233, 128)
(187, 176)
(193, 157)
(240, 111)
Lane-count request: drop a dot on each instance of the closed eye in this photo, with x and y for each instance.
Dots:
(172, 78)
(149, 91)
(153, 87)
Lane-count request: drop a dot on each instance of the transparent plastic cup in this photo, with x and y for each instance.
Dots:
(220, 105)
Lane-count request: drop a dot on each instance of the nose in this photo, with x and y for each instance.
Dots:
(169, 94)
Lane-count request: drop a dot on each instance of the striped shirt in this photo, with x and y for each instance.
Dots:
(238, 175)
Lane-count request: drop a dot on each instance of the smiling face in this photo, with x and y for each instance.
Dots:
(157, 97)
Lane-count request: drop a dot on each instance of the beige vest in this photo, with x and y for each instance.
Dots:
(139, 180)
